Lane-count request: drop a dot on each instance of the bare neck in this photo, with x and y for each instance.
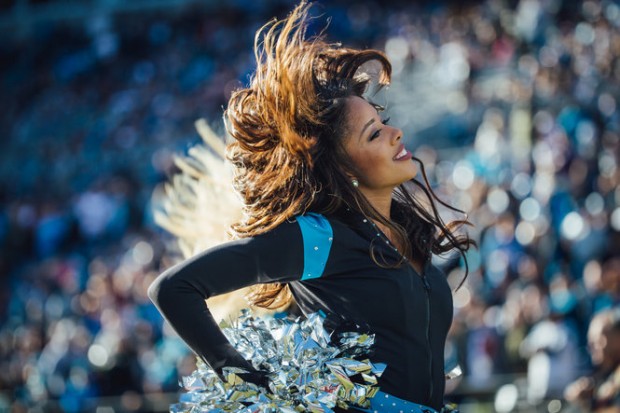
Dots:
(382, 202)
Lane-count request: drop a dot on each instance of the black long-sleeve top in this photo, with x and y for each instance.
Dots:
(328, 267)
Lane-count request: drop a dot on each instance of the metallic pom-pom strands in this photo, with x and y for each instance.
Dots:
(306, 370)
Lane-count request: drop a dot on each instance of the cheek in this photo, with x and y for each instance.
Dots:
(368, 163)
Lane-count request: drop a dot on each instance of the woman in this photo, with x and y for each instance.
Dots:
(328, 220)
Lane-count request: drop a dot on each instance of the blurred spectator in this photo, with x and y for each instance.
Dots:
(600, 392)
(513, 106)
(554, 360)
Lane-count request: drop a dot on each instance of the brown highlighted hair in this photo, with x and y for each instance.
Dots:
(288, 127)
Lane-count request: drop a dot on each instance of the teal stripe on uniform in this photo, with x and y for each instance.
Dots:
(386, 403)
(317, 235)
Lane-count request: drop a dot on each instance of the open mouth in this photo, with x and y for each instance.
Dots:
(402, 154)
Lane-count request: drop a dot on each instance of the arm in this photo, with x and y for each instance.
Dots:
(180, 292)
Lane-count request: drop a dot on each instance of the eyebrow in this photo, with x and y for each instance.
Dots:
(366, 126)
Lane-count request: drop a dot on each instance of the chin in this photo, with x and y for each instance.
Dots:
(412, 176)
(413, 172)
(404, 181)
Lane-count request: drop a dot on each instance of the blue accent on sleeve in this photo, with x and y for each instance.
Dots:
(317, 235)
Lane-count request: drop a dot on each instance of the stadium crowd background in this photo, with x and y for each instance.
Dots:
(513, 105)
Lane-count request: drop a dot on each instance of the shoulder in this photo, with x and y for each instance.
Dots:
(320, 227)
(317, 235)
(313, 222)
(315, 229)
(311, 227)
(326, 239)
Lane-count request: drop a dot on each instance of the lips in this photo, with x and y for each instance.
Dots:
(402, 154)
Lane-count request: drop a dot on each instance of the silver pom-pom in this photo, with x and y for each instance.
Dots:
(305, 370)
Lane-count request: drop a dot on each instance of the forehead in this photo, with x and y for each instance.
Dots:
(359, 110)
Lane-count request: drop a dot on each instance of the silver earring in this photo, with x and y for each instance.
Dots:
(355, 182)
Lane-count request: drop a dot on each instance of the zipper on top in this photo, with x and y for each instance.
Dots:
(427, 290)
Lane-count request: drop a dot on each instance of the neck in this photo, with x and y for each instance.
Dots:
(382, 202)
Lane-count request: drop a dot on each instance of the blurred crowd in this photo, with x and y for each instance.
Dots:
(520, 102)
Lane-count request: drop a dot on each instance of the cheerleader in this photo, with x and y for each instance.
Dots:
(334, 219)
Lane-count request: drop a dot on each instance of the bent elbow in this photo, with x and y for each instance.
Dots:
(153, 291)
(161, 291)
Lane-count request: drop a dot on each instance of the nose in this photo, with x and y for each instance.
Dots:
(397, 135)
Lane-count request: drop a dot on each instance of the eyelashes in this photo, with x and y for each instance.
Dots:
(378, 132)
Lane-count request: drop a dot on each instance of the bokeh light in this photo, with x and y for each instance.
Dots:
(512, 106)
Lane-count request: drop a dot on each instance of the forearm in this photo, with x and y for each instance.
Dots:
(180, 292)
(185, 309)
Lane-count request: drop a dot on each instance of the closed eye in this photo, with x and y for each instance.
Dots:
(376, 134)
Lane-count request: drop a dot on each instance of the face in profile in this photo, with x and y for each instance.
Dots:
(376, 149)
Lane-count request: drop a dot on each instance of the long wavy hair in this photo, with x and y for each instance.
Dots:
(289, 128)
